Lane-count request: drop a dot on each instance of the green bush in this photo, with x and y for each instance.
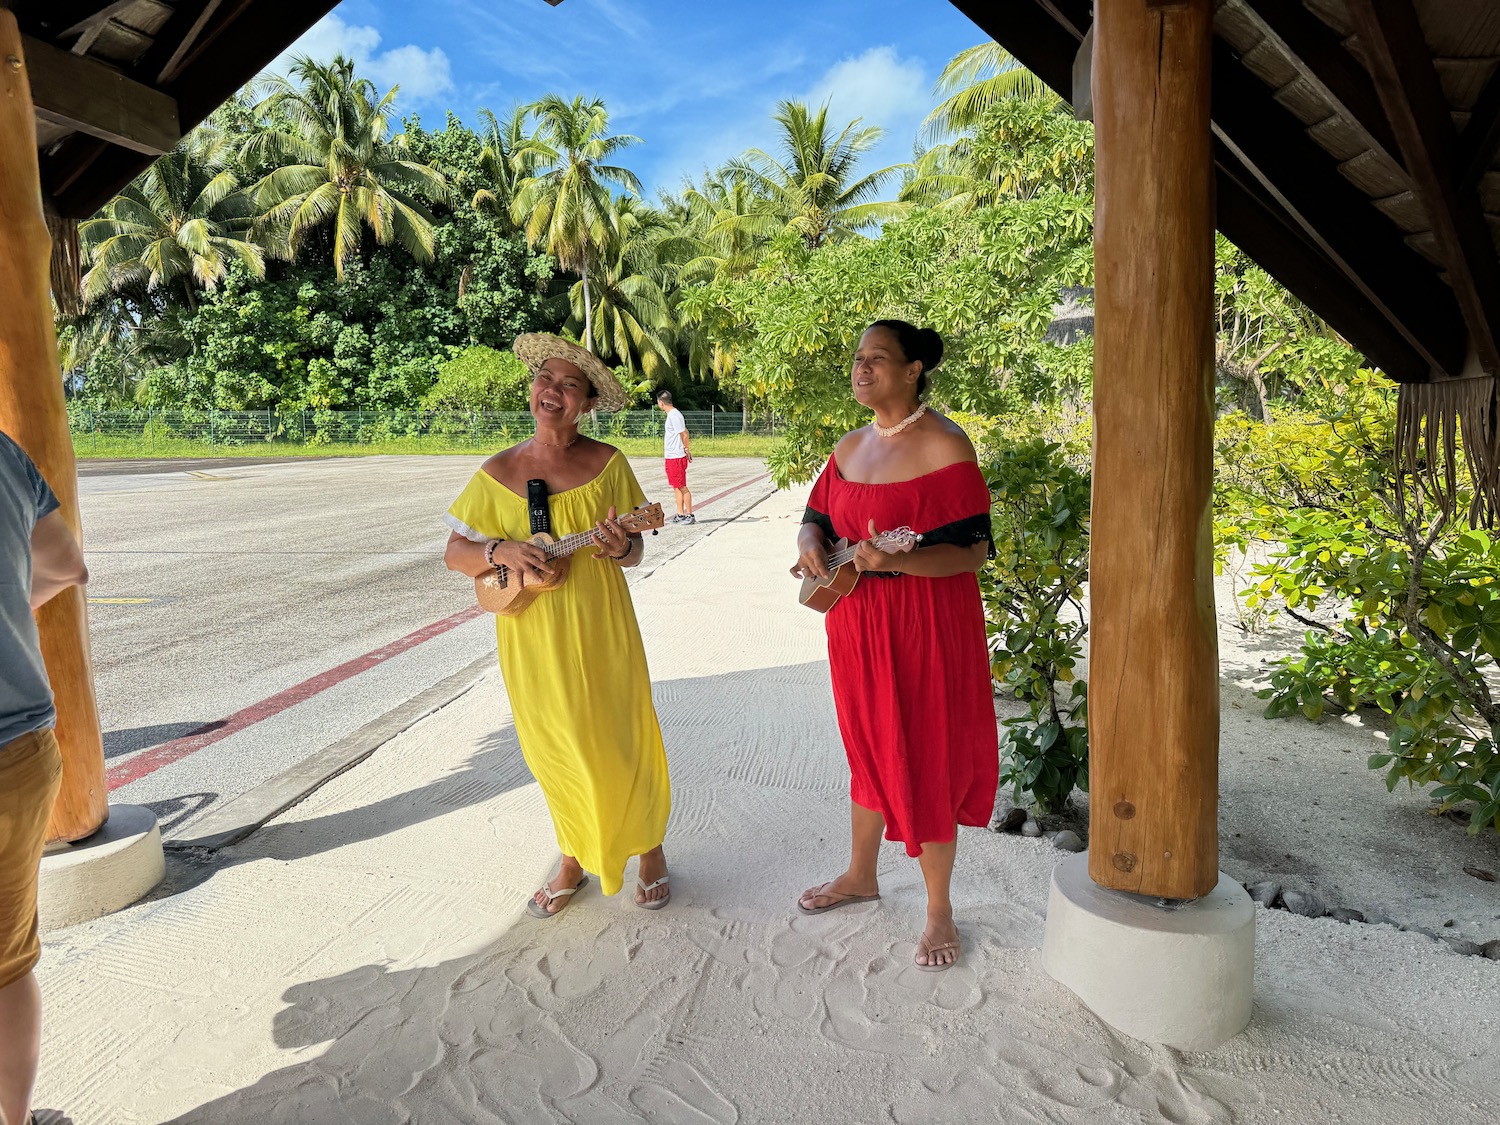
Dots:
(1400, 598)
(1033, 595)
(480, 378)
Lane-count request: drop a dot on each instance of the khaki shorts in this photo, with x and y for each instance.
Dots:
(30, 774)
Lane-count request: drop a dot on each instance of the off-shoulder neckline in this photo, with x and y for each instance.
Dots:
(595, 479)
(833, 460)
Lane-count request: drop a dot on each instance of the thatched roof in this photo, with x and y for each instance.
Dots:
(1355, 147)
(117, 82)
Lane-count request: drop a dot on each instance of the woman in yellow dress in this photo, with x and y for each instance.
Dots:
(573, 661)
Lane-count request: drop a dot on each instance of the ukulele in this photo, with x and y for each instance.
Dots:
(822, 594)
(507, 594)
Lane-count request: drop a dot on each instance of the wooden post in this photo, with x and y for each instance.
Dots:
(1153, 664)
(32, 411)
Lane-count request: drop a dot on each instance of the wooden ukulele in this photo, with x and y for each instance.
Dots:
(507, 594)
(822, 594)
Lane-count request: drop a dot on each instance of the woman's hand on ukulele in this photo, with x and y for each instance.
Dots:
(867, 556)
(812, 559)
(523, 558)
(613, 540)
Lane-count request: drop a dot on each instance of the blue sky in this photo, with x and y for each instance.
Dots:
(697, 89)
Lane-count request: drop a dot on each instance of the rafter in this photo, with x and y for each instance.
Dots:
(92, 98)
(1414, 102)
(1334, 215)
(1320, 58)
(176, 38)
(1481, 136)
(1252, 221)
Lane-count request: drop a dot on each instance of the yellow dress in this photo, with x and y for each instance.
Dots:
(575, 670)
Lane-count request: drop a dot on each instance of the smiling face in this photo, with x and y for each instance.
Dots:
(881, 373)
(560, 392)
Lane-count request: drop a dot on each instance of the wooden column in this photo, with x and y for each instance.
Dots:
(32, 411)
(1153, 664)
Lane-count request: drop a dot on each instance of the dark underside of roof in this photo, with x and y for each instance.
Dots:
(117, 82)
(1354, 143)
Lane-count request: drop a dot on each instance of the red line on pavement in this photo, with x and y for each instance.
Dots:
(732, 488)
(149, 761)
(179, 748)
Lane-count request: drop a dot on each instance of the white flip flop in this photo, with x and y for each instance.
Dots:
(537, 910)
(653, 904)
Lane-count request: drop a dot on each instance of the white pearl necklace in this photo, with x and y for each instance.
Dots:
(892, 431)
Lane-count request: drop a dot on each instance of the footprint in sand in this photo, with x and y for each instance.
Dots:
(1088, 1074)
(898, 978)
(677, 1093)
(556, 976)
(630, 1049)
(524, 1050)
(853, 1019)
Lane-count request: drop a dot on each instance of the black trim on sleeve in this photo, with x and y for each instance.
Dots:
(812, 515)
(963, 533)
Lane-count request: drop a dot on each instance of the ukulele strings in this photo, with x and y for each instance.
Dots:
(574, 542)
(881, 541)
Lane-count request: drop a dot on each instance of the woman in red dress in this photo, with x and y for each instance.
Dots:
(906, 648)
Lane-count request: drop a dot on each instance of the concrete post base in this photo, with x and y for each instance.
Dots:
(114, 867)
(1182, 976)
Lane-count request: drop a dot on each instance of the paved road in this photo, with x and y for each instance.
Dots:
(244, 592)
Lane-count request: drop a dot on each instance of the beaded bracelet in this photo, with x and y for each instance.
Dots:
(489, 554)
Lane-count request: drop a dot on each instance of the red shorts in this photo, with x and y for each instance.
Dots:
(677, 472)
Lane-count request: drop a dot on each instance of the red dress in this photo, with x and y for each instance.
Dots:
(910, 663)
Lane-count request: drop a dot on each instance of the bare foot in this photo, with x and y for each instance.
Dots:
(845, 886)
(568, 875)
(653, 866)
(939, 943)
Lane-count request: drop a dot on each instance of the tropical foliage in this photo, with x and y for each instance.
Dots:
(1399, 596)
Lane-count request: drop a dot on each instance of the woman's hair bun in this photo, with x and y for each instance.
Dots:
(932, 348)
(921, 344)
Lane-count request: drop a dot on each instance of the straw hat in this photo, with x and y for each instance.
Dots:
(536, 348)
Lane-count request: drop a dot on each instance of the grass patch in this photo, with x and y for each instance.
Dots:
(99, 447)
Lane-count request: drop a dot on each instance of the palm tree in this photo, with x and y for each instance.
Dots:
(628, 302)
(329, 137)
(565, 204)
(976, 79)
(177, 227)
(728, 227)
(506, 161)
(812, 189)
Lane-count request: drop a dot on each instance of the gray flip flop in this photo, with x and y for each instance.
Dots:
(644, 888)
(537, 910)
(931, 949)
(847, 900)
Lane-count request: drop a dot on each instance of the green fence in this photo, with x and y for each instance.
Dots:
(149, 429)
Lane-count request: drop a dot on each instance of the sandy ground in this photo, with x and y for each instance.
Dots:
(366, 958)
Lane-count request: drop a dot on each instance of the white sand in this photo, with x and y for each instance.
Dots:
(366, 958)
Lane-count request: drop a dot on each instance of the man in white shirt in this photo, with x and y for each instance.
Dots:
(677, 455)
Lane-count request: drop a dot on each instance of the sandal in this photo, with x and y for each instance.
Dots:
(931, 949)
(645, 888)
(822, 891)
(537, 910)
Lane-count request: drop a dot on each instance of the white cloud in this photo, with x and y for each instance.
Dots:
(423, 75)
(877, 86)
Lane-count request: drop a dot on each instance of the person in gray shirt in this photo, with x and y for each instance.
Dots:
(39, 558)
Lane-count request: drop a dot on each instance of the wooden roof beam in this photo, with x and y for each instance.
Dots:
(89, 97)
(1335, 216)
(1414, 102)
(1316, 53)
(177, 37)
(1253, 222)
(1481, 136)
